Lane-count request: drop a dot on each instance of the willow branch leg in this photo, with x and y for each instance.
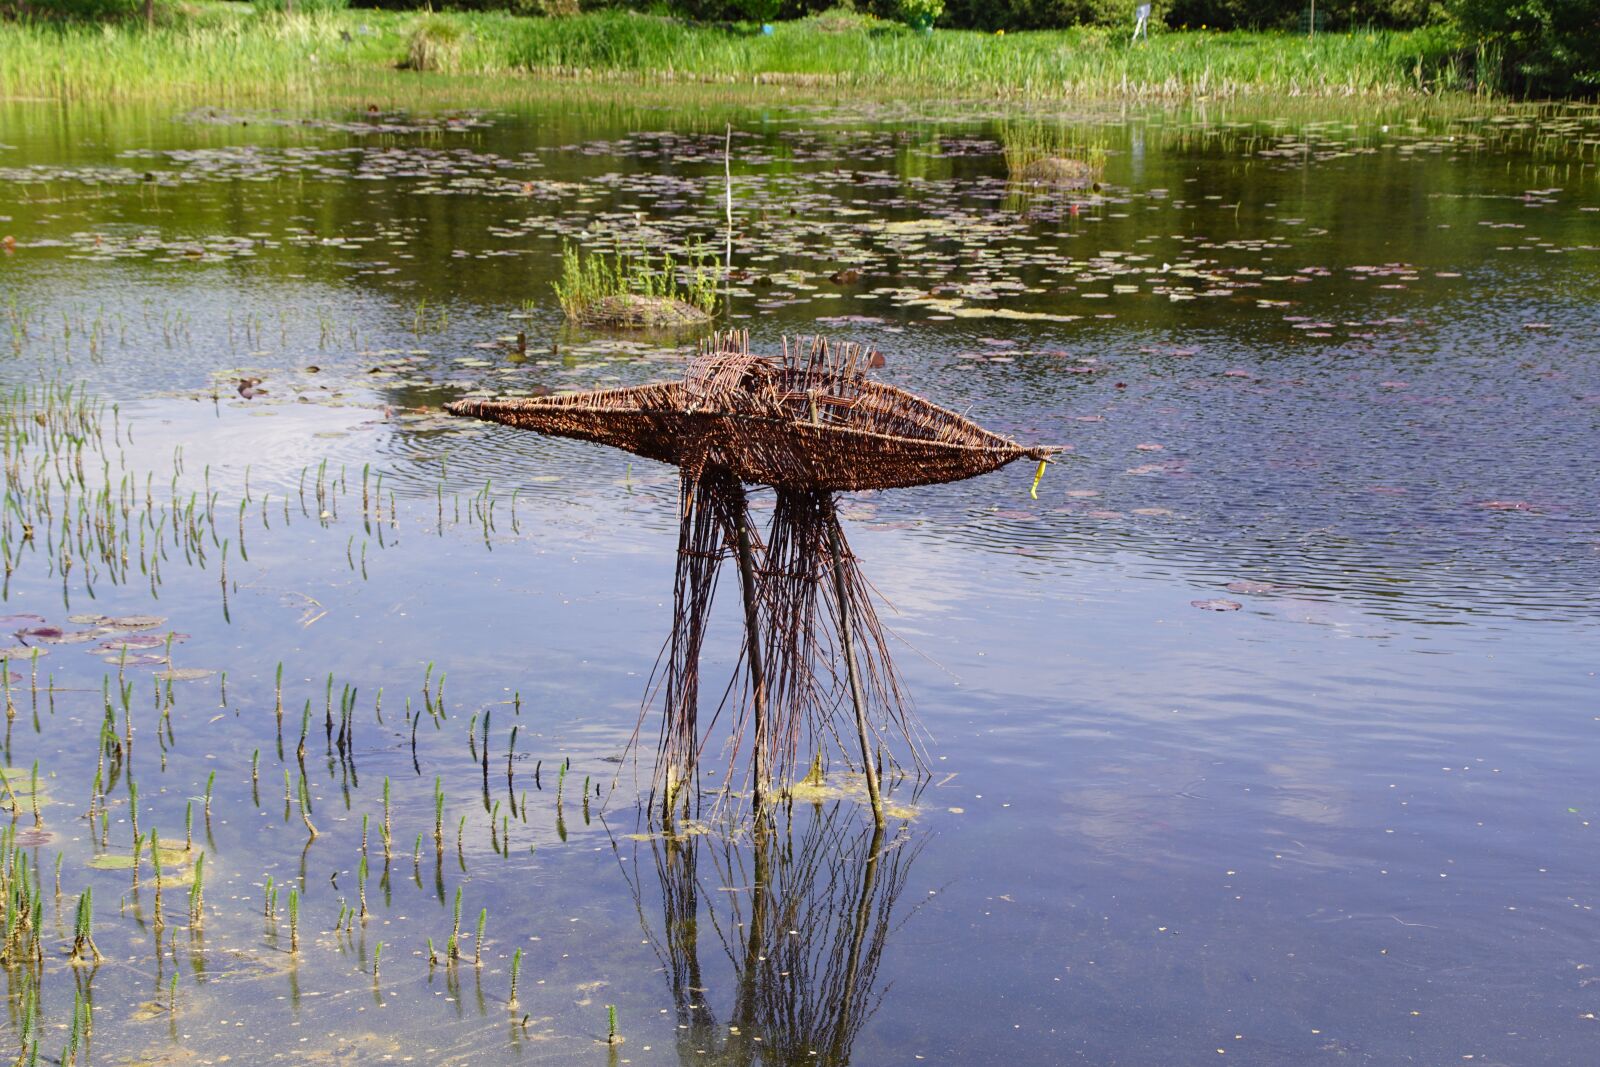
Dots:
(752, 637)
(847, 640)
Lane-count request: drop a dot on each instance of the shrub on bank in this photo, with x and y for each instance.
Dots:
(1536, 47)
(990, 15)
(1333, 15)
(77, 10)
(1012, 15)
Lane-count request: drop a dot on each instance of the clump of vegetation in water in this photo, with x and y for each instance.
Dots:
(636, 291)
(435, 44)
(1052, 155)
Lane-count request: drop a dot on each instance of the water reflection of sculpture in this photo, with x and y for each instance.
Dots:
(798, 921)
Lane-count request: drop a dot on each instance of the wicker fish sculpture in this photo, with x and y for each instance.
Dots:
(808, 424)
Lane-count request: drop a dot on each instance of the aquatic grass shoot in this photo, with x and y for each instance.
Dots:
(634, 288)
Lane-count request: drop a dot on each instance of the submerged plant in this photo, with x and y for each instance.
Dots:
(83, 927)
(196, 893)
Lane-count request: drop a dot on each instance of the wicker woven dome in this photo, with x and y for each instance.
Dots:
(818, 424)
(809, 424)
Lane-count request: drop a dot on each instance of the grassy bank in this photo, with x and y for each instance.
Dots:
(217, 52)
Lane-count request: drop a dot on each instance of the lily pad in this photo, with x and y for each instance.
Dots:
(177, 866)
(70, 637)
(133, 641)
(184, 674)
(20, 782)
(135, 622)
(138, 659)
(1250, 588)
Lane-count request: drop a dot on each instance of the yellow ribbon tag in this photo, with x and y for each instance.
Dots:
(1038, 475)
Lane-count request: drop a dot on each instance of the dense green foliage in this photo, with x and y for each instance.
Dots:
(102, 47)
(84, 10)
(1045, 14)
(920, 13)
(1010, 15)
(1332, 15)
(302, 7)
(1540, 47)
(222, 52)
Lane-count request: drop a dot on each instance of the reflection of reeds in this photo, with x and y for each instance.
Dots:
(801, 924)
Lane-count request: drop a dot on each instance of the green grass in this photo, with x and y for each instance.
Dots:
(588, 280)
(1027, 143)
(218, 52)
(435, 44)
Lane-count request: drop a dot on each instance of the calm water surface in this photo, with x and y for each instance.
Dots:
(1333, 368)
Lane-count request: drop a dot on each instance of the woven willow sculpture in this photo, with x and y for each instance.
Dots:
(809, 424)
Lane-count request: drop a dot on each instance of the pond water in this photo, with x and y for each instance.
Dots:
(1265, 732)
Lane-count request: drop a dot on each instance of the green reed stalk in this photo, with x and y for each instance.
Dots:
(197, 893)
(455, 924)
(155, 862)
(305, 809)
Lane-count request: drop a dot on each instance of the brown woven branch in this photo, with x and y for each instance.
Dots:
(810, 424)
